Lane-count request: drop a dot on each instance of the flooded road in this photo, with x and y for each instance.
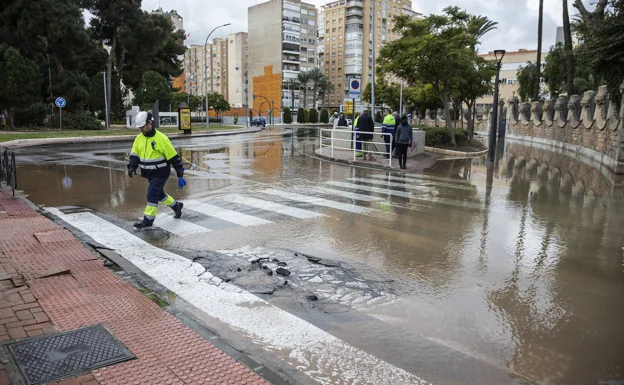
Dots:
(463, 274)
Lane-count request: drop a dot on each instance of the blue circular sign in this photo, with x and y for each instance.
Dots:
(355, 84)
(60, 102)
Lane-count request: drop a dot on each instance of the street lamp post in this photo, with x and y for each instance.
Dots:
(105, 99)
(206, 74)
(498, 54)
(401, 102)
(268, 104)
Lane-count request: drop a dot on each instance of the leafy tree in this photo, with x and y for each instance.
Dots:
(324, 116)
(218, 103)
(96, 96)
(304, 78)
(567, 33)
(313, 115)
(316, 77)
(421, 97)
(153, 87)
(475, 82)
(301, 115)
(386, 94)
(182, 97)
(287, 115)
(432, 50)
(526, 80)
(538, 68)
(555, 70)
(20, 81)
(325, 87)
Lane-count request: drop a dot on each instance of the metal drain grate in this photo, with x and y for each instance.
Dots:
(65, 355)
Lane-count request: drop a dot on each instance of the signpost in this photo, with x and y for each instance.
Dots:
(60, 103)
(355, 92)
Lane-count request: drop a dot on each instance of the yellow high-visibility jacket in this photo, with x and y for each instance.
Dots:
(154, 155)
(389, 121)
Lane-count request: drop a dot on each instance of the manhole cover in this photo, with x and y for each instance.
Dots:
(64, 355)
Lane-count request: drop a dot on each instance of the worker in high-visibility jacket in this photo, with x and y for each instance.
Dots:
(388, 127)
(154, 155)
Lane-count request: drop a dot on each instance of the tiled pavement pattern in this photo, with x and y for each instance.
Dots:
(51, 282)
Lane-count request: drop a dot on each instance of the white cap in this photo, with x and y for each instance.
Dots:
(142, 118)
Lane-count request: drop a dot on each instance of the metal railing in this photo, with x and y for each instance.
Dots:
(8, 168)
(331, 139)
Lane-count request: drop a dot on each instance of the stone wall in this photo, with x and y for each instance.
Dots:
(588, 127)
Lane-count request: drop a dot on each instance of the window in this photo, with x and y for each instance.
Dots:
(334, 30)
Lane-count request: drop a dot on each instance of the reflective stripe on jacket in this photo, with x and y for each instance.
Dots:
(154, 155)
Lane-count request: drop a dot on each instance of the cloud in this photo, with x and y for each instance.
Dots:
(517, 19)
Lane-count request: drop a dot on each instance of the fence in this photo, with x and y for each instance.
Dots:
(8, 170)
(333, 135)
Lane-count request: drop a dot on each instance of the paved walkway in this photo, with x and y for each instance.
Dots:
(50, 282)
(414, 164)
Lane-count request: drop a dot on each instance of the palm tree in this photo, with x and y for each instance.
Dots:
(316, 76)
(293, 84)
(540, 23)
(567, 33)
(304, 78)
(324, 87)
(478, 26)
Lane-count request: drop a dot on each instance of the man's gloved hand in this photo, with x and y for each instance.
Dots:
(131, 170)
(181, 183)
(180, 172)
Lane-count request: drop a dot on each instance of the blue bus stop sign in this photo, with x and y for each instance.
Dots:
(60, 102)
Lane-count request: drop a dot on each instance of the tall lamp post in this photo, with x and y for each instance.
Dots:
(206, 74)
(105, 100)
(498, 54)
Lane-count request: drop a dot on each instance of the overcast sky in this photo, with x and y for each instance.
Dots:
(517, 19)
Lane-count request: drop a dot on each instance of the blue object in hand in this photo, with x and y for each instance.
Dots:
(181, 183)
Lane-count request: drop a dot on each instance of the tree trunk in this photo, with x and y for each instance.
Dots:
(109, 71)
(567, 32)
(447, 115)
(540, 23)
(305, 97)
(10, 118)
(470, 122)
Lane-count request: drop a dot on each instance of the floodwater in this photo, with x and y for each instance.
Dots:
(508, 274)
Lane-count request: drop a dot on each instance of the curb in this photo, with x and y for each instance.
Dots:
(24, 143)
(351, 163)
(442, 151)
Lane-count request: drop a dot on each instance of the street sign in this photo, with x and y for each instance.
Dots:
(60, 102)
(355, 88)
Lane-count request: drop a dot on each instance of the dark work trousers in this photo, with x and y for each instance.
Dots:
(156, 190)
(388, 138)
(401, 150)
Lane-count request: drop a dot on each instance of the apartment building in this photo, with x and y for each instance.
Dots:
(282, 34)
(215, 67)
(345, 39)
(237, 69)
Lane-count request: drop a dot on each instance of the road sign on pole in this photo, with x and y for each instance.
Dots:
(355, 88)
(60, 103)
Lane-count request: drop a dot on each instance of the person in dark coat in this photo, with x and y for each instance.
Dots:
(404, 138)
(367, 125)
(342, 122)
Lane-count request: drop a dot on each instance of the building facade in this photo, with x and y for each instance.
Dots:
(214, 67)
(282, 34)
(346, 39)
(512, 63)
(237, 69)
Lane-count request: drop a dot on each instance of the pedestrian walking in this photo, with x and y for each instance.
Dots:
(153, 153)
(342, 122)
(366, 126)
(388, 127)
(404, 138)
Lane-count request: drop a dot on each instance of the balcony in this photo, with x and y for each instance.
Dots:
(354, 3)
(290, 59)
(291, 19)
(355, 12)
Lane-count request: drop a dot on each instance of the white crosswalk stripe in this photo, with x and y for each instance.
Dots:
(425, 182)
(389, 184)
(378, 190)
(347, 194)
(319, 201)
(319, 355)
(178, 226)
(225, 214)
(419, 177)
(272, 206)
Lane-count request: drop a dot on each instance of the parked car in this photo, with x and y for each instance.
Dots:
(259, 122)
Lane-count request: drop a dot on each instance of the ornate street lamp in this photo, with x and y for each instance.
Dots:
(498, 54)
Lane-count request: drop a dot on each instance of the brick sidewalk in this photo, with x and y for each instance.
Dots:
(50, 282)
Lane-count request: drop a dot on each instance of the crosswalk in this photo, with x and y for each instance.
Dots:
(370, 195)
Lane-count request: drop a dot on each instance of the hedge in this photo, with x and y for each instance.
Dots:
(32, 116)
(324, 116)
(440, 136)
(313, 116)
(301, 115)
(78, 121)
(287, 115)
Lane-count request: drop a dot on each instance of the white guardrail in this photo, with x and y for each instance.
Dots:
(342, 136)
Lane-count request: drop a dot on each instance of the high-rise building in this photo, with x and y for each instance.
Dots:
(216, 68)
(176, 19)
(346, 39)
(282, 34)
(237, 69)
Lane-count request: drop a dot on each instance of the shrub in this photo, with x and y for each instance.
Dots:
(440, 136)
(313, 115)
(306, 113)
(31, 116)
(78, 121)
(324, 116)
(301, 115)
(287, 115)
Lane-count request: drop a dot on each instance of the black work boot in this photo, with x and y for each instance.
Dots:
(177, 209)
(144, 224)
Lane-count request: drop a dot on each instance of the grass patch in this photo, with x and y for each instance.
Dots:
(6, 136)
